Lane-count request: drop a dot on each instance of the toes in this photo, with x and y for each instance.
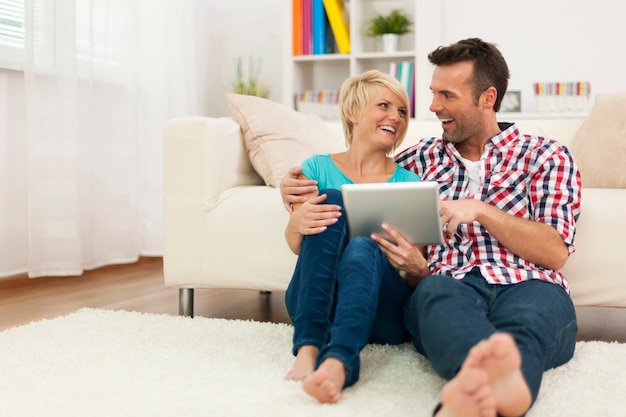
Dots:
(318, 385)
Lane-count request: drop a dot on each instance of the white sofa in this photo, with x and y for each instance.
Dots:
(223, 228)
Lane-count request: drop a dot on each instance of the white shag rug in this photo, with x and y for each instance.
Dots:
(117, 363)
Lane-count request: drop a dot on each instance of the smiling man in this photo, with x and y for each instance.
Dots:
(494, 311)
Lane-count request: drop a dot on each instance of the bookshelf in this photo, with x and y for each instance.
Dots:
(320, 72)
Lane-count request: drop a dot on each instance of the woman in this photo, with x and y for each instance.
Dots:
(345, 293)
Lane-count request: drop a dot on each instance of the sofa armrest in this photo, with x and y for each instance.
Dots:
(202, 157)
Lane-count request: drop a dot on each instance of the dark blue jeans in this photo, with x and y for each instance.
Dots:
(345, 294)
(446, 317)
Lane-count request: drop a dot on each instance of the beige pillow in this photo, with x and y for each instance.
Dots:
(277, 137)
(599, 146)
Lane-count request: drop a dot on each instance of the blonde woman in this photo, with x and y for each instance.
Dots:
(344, 293)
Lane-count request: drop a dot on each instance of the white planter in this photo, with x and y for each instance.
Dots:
(390, 42)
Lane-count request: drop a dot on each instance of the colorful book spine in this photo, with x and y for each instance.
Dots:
(405, 75)
(404, 72)
(307, 23)
(409, 85)
(338, 23)
(393, 69)
(297, 27)
(560, 88)
(323, 103)
(317, 26)
(412, 94)
(331, 44)
(562, 96)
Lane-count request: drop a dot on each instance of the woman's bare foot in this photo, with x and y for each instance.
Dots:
(304, 364)
(326, 383)
(501, 359)
(468, 394)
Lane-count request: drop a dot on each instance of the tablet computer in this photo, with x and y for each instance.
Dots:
(410, 207)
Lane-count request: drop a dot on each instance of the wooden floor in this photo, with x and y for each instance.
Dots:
(132, 287)
(139, 287)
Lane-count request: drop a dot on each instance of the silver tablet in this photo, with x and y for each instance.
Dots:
(410, 207)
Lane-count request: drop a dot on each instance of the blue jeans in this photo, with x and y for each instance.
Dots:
(344, 294)
(446, 317)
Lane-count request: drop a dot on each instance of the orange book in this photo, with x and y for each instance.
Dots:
(338, 23)
(296, 38)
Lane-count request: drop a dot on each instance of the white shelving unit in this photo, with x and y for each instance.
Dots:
(327, 72)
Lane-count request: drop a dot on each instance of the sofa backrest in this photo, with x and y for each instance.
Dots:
(560, 129)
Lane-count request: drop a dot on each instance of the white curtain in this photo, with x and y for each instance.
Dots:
(81, 131)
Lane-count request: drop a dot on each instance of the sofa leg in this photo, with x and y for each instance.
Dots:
(185, 302)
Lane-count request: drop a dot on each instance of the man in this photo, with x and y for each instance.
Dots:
(491, 311)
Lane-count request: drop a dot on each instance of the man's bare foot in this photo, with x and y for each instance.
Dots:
(304, 364)
(501, 359)
(326, 383)
(468, 394)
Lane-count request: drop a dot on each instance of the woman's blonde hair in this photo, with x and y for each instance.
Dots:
(354, 95)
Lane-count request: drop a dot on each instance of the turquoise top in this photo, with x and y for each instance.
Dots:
(328, 175)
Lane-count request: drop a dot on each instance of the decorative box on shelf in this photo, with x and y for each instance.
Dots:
(562, 96)
(323, 103)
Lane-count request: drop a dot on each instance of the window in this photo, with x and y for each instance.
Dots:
(11, 33)
(12, 23)
(93, 30)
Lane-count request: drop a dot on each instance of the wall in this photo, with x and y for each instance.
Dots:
(231, 28)
(542, 40)
(547, 40)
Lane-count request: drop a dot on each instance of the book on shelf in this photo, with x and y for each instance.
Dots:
(323, 103)
(335, 12)
(296, 27)
(307, 26)
(404, 71)
(318, 27)
(561, 96)
(331, 43)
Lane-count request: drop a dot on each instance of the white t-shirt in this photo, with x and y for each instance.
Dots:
(476, 172)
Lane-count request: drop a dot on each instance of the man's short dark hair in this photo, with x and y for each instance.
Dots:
(490, 68)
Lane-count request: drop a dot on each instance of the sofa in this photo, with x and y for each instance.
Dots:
(224, 218)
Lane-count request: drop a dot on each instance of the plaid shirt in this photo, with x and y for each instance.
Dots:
(527, 176)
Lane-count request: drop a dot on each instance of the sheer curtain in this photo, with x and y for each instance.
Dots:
(82, 170)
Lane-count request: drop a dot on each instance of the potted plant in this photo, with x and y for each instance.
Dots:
(249, 84)
(389, 27)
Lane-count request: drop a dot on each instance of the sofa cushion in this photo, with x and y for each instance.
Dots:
(277, 137)
(599, 146)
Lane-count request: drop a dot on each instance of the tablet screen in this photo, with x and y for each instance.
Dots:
(410, 207)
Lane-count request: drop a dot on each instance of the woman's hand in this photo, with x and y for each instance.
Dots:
(310, 218)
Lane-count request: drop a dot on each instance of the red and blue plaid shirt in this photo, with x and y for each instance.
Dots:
(527, 176)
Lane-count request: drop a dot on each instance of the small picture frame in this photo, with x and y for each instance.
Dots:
(512, 102)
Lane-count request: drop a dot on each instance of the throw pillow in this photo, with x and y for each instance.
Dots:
(599, 146)
(277, 137)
